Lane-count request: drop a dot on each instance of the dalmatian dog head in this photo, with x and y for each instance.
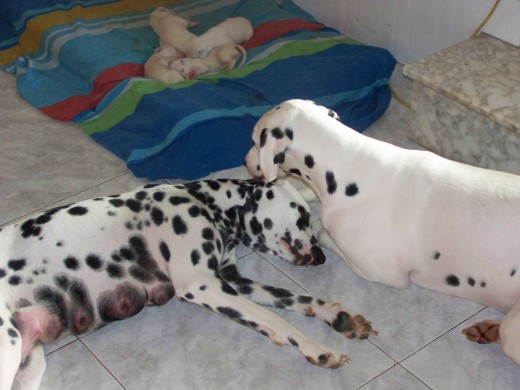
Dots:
(277, 220)
(273, 136)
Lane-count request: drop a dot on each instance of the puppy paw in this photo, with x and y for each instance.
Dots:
(484, 332)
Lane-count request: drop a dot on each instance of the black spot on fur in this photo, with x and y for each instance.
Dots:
(269, 194)
(513, 272)
(305, 299)
(30, 228)
(483, 284)
(331, 182)
(351, 189)
(227, 288)
(289, 133)
(116, 202)
(295, 171)
(71, 263)
(195, 257)
(158, 196)
(77, 210)
(256, 227)
(268, 223)
(208, 247)
(278, 292)
(179, 226)
(115, 270)
(207, 234)
(263, 137)
(2, 273)
(141, 195)
(213, 263)
(94, 262)
(436, 255)
(134, 205)
(452, 280)
(293, 342)
(229, 312)
(165, 251)
(214, 185)
(177, 200)
(17, 264)
(309, 161)
(189, 296)
(279, 158)
(194, 211)
(157, 216)
(14, 280)
(471, 281)
(277, 133)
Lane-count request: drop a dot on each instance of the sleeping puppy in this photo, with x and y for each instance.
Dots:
(230, 31)
(219, 58)
(158, 65)
(172, 29)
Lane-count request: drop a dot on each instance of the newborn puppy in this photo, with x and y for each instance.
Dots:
(219, 58)
(158, 65)
(230, 31)
(172, 29)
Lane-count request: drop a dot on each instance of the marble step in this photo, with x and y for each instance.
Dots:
(466, 103)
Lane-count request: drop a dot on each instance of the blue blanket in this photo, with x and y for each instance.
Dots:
(83, 61)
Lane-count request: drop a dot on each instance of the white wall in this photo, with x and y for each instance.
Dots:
(410, 29)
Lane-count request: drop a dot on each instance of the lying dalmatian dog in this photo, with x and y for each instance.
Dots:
(219, 58)
(172, 29)
(400, 216)
(159, 67)
(232, 31)
(74, 268)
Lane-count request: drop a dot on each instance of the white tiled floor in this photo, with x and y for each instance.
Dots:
(182, 346)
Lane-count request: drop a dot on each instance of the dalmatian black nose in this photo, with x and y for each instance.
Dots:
(318, 257)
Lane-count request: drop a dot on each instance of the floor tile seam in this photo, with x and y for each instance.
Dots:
(103, 364)
(76, 338)
(8, 116)
(46, 206)
(284, 273)
(388, 369)
(441, 335)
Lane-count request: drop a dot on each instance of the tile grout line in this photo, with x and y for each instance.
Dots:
(16, 113)
(39, 209)
(102, 364)
(443, 334)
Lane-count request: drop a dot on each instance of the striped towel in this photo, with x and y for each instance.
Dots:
(83, 61)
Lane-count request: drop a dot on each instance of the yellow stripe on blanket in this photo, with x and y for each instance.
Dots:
(29, 41)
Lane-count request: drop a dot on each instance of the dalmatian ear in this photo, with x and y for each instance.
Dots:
(273, 145)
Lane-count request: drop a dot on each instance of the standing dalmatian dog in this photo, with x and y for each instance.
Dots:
(400, 216)
(74, 268)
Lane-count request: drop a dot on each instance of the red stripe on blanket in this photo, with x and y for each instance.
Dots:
(277, 28)
(67, 109)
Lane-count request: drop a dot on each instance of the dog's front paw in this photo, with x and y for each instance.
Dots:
(483, 332)
(353, 326)
(328, 360)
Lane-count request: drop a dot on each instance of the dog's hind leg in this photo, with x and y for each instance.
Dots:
(31, 371)
(349, 324)
(209, 291)
(10, 348)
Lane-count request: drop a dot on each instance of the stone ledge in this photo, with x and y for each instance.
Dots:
(482, 74)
